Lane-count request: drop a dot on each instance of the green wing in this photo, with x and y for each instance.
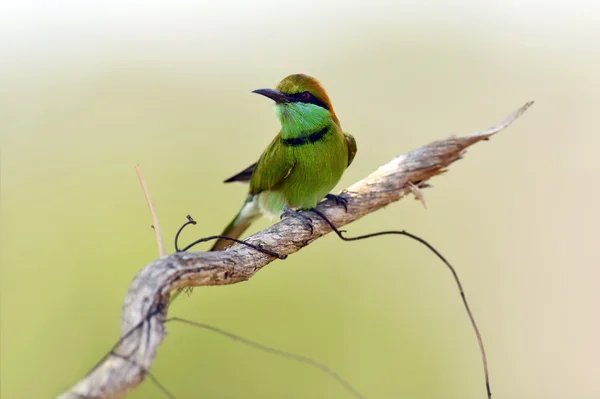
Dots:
(351, 147)
(274, 165)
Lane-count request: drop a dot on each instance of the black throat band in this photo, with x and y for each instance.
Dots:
(310, 139)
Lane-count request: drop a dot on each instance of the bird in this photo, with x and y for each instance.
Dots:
(302, 164)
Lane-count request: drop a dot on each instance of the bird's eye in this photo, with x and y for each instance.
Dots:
(305, 96)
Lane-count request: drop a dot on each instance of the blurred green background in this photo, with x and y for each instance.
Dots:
(88, 89)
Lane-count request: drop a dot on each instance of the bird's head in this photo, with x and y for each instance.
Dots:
(302, 103)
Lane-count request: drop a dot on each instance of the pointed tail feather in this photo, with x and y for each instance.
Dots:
(248, 214)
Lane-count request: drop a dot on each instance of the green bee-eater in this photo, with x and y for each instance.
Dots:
(302, 164)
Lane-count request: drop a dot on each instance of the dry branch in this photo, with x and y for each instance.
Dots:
(149, 291)
(162, 251)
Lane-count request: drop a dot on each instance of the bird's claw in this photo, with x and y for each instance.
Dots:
(339, 200)
(306, 221)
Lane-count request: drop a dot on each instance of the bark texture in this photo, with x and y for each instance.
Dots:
(146, 303)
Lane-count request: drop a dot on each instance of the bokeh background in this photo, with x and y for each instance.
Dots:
(88, 89)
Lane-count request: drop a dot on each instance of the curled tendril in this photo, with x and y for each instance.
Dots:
(191, 220)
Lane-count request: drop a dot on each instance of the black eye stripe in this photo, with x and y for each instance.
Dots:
(297, 98)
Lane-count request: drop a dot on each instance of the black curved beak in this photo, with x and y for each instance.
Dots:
(274, 95)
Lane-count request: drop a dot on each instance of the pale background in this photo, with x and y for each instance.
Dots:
(90, 88)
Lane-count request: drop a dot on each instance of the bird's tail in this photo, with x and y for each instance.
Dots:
(248, 214)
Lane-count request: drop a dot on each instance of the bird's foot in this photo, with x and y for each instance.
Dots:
(339, 200)
(306, 221)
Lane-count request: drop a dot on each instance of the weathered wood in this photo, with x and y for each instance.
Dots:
(149, 291)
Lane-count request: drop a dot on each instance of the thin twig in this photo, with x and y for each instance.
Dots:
(162, 250)
(340, 234)
(288, 355)
(150, 289)
(190, 220)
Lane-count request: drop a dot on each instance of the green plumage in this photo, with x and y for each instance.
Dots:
(303, 163)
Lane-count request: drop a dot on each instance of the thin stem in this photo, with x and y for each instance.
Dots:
(205, 239)
(162, 251)
(441, 257)
(255, 247)
(288, 355)
(190, 221)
